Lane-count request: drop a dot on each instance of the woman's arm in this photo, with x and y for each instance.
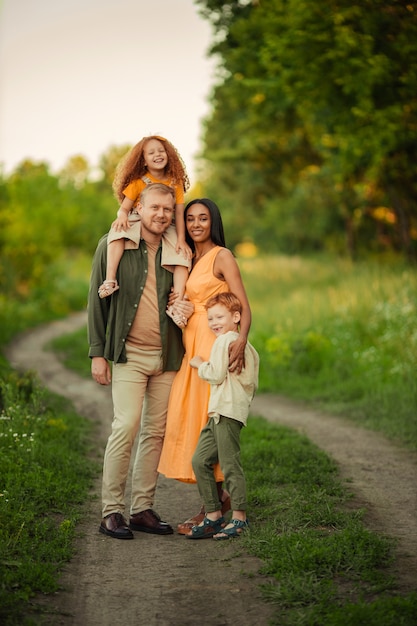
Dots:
(227, 269)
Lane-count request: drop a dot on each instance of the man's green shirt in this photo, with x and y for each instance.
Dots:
(110, 319)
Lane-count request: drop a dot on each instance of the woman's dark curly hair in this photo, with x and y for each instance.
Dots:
(132, 166)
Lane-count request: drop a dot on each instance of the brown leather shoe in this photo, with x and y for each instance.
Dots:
(149, 522)
(115, 526)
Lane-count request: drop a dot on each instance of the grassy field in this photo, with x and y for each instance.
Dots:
(335, 334)
(46, 472)
(342, 336)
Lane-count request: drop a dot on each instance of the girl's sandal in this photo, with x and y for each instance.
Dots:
(107, 288)
(235, 531)
(185, 527)
(207, 529)
(179, 320)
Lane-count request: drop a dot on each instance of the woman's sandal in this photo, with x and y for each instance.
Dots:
(235, 531)
(185, 527)
(107, 288)
(207, 529)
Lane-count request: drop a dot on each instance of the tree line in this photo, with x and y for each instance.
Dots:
(311, 142)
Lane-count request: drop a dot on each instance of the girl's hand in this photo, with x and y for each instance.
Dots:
(196, 361)
(183, 248)
(184, 307)
(121, 222)
(237, 355)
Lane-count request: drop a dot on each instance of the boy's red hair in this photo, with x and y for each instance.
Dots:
(228, 299)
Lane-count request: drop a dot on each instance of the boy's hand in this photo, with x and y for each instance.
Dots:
(196, 361)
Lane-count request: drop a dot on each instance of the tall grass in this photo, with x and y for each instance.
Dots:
(324, 567)
(64, 291)
(339, 334)
(45, 476)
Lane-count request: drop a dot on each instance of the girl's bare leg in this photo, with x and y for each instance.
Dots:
(115, 251)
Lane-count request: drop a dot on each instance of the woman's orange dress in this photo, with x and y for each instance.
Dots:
(188, 401)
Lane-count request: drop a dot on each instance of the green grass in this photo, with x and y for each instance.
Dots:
(45, 476)
(72, 349)
(63, 290)
(323, 566)
(340, 335)
(332, 333)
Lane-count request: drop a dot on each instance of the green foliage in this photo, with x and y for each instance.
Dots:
(328, 89)
(44, 479)
(321, 562)
(339, 334)
(66, 291)
(46, 222)
(49, 228)
(380, 612)
(72, 349)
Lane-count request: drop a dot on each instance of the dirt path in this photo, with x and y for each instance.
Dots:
(165, 581)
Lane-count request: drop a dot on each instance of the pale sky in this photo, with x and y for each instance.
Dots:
(77, 76)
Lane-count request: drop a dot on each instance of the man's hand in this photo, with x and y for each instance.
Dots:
(100, 370)
(237, 355)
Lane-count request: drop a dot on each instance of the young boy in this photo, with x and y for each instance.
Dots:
(219, 442)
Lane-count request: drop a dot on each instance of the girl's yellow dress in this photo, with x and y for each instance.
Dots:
(188, 402)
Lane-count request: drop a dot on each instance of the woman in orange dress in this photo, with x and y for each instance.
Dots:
(214, 270)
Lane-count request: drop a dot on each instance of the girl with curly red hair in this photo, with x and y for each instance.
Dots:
(152, 160)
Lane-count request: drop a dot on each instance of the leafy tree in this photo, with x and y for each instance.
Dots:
(76, 171)
(31, 209)
(328, 84)
(109, 161)
(44, 219)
